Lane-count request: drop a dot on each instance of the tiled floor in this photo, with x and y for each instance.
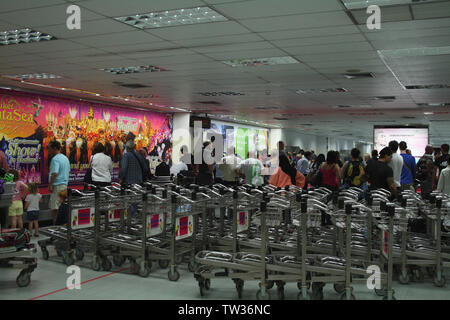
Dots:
(48, 282)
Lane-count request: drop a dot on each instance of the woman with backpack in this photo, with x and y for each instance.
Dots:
(353, 170)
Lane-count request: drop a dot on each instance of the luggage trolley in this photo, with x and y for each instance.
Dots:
(77, 237)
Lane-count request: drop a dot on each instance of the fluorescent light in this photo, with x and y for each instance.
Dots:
(31, 76)
(23, 36)
(137, 69)
(255, 62)
(428, 113)
(171, 18)
(363, 4)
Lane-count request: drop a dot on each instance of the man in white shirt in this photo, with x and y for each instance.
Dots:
(228, 166)
(396, 163)
(444, 181)
(180, 166)
(251, 168)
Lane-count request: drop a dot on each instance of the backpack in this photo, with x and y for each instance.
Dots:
(162, 169)
(424, 168)
(352, 172)
(316, 178)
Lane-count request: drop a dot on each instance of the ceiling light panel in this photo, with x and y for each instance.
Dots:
(256, 62)
(172, 18)
(138, 69)
(23, 36)
(362, 4)
(415, 52)
(34, 76)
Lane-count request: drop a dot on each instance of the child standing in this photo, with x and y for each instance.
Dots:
(32, 207)
(16, 208)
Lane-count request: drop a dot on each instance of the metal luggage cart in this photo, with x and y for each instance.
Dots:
(77, 237)
(20, 259)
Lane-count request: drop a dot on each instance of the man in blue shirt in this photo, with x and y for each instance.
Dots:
(409, 168)
(58, 175)
(304, 162)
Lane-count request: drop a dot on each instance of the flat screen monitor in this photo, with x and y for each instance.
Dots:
(415, 137)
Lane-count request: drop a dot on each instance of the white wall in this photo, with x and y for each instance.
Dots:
(182, 135)
(275, 136)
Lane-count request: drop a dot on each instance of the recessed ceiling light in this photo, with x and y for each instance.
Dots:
(255, 62)
(173, 17)
(359, 75)
(32, 76)
(428, 113)
(23, 36)
(138, 69)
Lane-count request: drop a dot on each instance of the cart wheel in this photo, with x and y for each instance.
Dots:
(300, 296)
(418, 275)
(163, 264)
(192, 266)
(280, 292)
(45, 254)
(260, 297)
(381, 292)
(403, 279)
(118, 260)
(23, 279)
(208, 284)
(201, 287)
(96, 266)
(339, 287)
(344, 296)
(439, 283)
(173, 276)
(144, 273)
(79, 254)
(106, 264)
(134, 267)
(240, 288)
(67, 258)
(179, 259)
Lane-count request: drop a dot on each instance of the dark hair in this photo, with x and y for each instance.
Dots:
(319, 160)
(393, 145)
(385, 152)
(332, 157)
(445, 148)
(55, 144)
(355, 153)
(15, 173)
(99, 147)
(308, 154)
(374, 153)
(402, 145)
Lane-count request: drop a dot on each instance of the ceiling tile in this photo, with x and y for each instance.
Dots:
(121, 38)
(431, 10)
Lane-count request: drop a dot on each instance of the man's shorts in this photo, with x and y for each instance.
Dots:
(16, 208)
(54, 198)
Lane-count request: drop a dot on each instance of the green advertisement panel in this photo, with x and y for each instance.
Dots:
(242, 142)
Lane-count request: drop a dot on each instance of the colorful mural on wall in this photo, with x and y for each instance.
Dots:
(28, 122)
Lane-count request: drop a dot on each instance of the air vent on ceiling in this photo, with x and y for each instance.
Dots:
(385, 98)
(218, 94)
(267, 108)
(278, 118)
(360, 75)
(134, 85)
(428, 86)
(216, 103)
(408, 117)
(327, 90)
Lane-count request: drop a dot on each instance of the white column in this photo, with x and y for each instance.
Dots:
(181, 135)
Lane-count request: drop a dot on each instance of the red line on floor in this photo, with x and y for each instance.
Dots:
(103, 276)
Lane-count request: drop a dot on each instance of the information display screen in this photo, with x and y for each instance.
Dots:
(416, 138)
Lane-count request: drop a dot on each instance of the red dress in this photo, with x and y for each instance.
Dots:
(329, 177)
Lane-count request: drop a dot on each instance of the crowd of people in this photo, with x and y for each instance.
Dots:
(389, 169)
